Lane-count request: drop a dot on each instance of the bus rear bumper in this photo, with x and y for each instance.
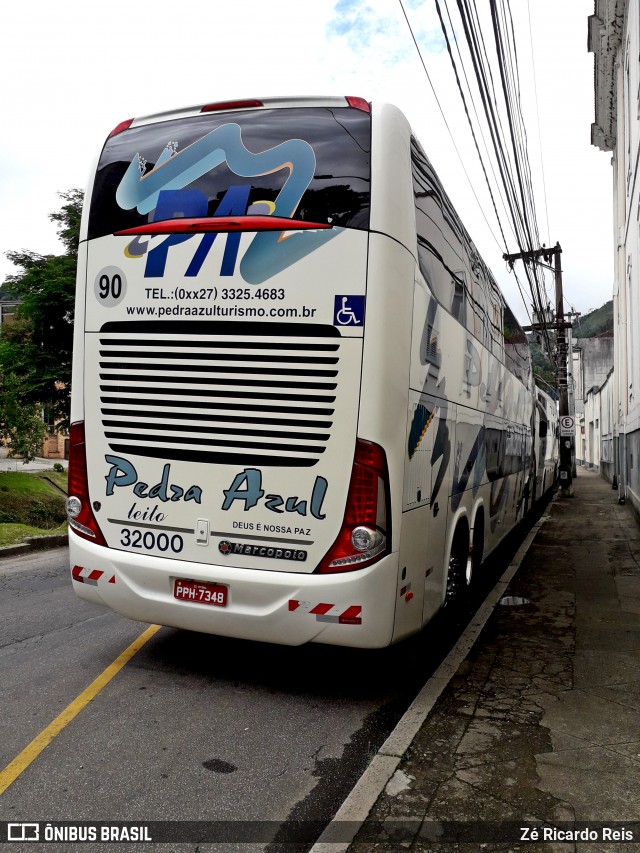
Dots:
(348, 609)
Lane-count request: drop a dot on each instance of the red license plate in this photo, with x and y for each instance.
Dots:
(202, 593)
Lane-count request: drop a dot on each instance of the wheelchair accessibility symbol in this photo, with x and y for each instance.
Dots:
(348, 311)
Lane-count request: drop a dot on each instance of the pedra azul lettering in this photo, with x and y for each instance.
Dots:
(247, 488)
(123, 473)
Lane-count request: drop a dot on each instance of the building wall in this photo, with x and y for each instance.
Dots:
(592, 424)
(595, 446)
(595, 360)
(56, 446)
(614, 39)
(7, 310)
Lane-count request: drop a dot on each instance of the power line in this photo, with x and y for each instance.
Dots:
(508, 66)
(447, 126)
(497, 183)
(455, 71)
(504, 119)
(535, 92)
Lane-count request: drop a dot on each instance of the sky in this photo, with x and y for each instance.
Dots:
(73, 70)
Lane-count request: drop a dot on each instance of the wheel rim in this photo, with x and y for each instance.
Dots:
(455, 577)
(468, 575)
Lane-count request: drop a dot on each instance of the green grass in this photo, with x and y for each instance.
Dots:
(58, 477)
(14, 534)
(30, 505)
(21, 483)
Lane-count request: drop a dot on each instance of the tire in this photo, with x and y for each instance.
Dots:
(459, 569)
(478, 545)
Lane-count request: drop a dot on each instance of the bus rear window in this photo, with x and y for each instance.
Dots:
(309, 164)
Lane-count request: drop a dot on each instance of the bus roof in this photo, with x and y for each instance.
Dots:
(244, 104)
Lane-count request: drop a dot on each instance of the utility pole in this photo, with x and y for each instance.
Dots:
(567, 423)
(563, 385)
(572, 387)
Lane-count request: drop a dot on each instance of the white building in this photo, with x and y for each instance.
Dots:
(614, 39)
(593, 379)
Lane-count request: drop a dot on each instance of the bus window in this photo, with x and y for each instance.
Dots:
(333, 186)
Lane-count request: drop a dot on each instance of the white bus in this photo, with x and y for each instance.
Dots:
(546, 447)
(301, 410)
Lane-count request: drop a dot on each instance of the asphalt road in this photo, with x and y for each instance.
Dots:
(194, 727)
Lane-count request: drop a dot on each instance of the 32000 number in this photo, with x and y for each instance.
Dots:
(148, 541)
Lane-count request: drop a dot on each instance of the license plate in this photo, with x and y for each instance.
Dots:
(202, 593)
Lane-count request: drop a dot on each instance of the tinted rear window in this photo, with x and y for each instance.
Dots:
(313, 164)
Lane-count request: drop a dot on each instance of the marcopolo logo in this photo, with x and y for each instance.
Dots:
(225, 547)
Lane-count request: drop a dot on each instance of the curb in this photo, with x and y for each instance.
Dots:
(34, 543)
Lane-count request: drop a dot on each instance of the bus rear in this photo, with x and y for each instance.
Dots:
(218, 478)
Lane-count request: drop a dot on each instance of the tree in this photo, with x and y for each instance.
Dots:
(36, 348)
(542, 366)
(21, 423)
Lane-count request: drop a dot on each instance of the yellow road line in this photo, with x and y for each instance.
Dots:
(20, 763)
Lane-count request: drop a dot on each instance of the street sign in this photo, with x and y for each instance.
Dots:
(567, 425)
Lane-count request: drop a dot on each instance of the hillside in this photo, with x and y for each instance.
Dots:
(595, 322)
(31, 505)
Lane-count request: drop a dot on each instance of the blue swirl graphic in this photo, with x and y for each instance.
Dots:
(269, 252)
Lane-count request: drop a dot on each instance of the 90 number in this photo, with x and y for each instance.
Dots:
(110, 286)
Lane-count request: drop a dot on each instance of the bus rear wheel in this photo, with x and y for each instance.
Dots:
(460, 567)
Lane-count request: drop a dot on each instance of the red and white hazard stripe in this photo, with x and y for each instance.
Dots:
(89, 576)
(324, 612)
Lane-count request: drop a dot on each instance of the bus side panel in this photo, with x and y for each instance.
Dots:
(551, 457)
(546, 445)
(411, 586)
(392, 204)
(385, 376)
(77, 375)
(468, 443)
(427, 451)
(80, 309)
(385, 367)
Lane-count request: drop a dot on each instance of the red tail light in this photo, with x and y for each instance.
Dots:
(120, 127)
(81, 518)
(248, 103)
(358, 103)
(366, 529)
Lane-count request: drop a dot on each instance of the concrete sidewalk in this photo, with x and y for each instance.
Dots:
(37, 464)
(541, 722)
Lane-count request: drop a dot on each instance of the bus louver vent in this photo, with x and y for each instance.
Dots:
(251, 400)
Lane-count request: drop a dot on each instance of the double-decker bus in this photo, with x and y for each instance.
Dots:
(546, 448)
(302, 409)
